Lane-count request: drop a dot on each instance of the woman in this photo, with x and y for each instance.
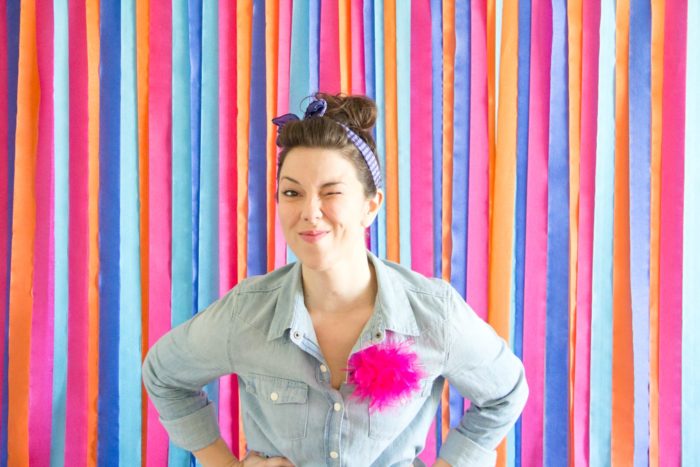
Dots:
(341, 357)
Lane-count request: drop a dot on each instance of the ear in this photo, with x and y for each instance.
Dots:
(372, 207)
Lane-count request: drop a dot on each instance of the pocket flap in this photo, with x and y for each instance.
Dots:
(278, 390)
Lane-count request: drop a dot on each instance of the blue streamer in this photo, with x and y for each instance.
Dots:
(522, 141)
(195, 35)
(183, 296)
(381, 115)
(436, 33)
(601, 289)
(314, 41)
(460, 175)
(640, 180)
(403, 88)
(690, 401)
(109, 213)
(13, 7)
(257, 199)
(556, 419)
(436, 49)
(130, 271)
(368, 25)
(299, 66)
(60, 342)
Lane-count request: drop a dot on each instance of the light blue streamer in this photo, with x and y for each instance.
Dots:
(381, 115)
(403, 88)
(182, 286)
(299, 67)
(601, 306)
(690, 403)
(60, 343)
(209, 169)
(129, 271)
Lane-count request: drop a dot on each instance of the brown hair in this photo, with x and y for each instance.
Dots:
(359, 113)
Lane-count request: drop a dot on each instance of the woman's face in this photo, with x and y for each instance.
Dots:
(322, 206)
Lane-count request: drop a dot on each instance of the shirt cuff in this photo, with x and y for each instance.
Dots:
(458, 450)
(194, 431)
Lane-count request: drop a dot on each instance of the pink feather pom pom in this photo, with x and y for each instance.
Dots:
(385, 374)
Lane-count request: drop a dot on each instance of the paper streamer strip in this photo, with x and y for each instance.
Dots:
(61, 215)
(160, 188)
(421, 141)
(329, 54)
(344, 45)
(272, 15)
(257, 204)
(556, 417)
(589, 107)
(437, 77)
(76, 389)
(5, 230)
(142, 53)
(380, 132)
(283, 70)
(357, 38)
(42, 330)
(228, 386)
(479, 150)
(109, 228)
(601, 284)
(536, 232)
(671, 235)
(640, 151)
(24, 227)
(657, 77)
(92, 13)
(391, 179)
(524, 20)
(691, 249)
(369, 77)
(130, 424)
(314, 32)
(403, 114)
(460, 173)
(244, 23)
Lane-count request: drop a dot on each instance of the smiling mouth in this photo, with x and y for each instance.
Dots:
(312, 237)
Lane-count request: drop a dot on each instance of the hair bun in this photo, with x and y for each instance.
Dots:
(357, 112)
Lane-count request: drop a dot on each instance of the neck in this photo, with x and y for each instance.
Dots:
(346, 286)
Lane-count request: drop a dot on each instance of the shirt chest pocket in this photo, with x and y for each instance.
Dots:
(282, 405)
(390, 422)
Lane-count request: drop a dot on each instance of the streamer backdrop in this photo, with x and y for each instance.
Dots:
(542, 155)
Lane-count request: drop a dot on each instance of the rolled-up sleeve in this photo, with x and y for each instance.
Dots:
(181, 363)
(480, 365)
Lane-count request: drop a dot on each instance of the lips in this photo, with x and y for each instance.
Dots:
(313, 236)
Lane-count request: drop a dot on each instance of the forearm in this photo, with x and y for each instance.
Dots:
(216, 454)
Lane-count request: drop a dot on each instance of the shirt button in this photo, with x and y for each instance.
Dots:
(297, 335)
(323, 368)
(334, 455)
(337, 407)
(274, 396)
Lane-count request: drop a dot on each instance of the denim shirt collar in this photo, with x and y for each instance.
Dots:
(392, 309)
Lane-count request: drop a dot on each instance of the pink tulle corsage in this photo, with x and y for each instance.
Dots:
(385, 374)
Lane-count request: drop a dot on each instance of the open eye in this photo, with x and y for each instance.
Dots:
(289, 193)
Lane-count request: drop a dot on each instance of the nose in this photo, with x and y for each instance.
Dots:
(312, 209)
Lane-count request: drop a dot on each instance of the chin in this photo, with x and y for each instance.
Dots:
(318, 261)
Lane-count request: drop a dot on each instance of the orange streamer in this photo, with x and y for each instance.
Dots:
(272, 50)
(23, 232)
(345, 46)
(623, 365)
(575, 27)
(658, 14)
(244, 20)
(392, 132)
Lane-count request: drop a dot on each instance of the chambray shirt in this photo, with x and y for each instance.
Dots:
(262, 331)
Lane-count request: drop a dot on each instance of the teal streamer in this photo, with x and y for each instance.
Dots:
(130, 277)
(60, 342)
(182, 286)
(601, 306)
(403, 88)
(690, 403)
(381, 115)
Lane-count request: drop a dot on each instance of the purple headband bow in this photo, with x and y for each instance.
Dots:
(318, 108)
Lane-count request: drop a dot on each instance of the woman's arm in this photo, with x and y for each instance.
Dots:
(479, 364)
(218, 454)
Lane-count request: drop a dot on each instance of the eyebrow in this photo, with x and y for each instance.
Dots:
(327, 184)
